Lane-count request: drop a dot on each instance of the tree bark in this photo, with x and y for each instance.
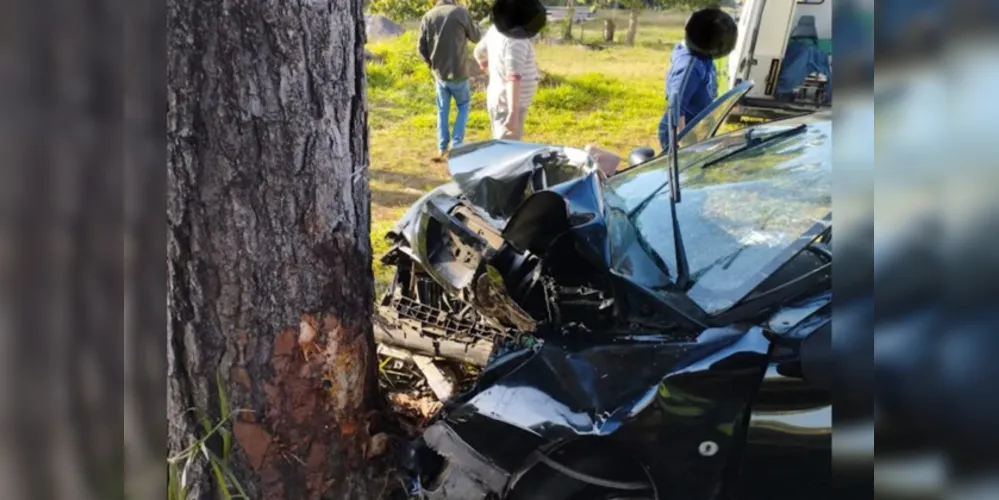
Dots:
(61, 225)
(609, 30)
(570, 15)
(270, 286)
(636, 9)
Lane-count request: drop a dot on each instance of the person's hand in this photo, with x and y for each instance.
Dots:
(607, 162)
(510, 125)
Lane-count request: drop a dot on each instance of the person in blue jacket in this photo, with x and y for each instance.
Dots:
(692, 79)
(803, 57)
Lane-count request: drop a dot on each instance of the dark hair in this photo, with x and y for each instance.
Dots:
(711, 33)
(519, 18)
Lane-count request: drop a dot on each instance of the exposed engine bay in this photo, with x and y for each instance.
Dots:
(469, 287)
(494, 260)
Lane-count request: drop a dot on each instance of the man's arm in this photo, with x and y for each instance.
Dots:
(607, 162)
(513, 98)
(481, 54)
(514, 58)
(424, 42)
(677, 102)
(663, 132)
(471, 29)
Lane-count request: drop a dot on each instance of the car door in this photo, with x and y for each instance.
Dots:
(747, 18)
(763, 32)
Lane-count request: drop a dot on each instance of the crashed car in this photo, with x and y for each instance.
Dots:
(639, 340)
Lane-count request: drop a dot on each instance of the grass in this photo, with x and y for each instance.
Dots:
(611, 97)
(178, 465)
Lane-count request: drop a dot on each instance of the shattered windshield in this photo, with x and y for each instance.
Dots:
(742, 208)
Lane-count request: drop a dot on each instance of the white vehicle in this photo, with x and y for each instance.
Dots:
(765, 28)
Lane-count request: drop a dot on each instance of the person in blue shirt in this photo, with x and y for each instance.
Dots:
(692, 79)
(803, 57)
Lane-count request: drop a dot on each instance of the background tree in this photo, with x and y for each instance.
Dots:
(637, 6)
(408, 10)
(570, 16)
(270, 291)
(479, 9)
(400, 10)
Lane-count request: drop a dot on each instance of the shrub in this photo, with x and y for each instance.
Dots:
(400, 10)
(479, 9)
(407, 10)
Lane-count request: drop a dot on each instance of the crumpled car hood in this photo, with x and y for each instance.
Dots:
(496, 176)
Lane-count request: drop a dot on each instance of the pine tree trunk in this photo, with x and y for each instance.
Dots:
(269, 259)
(633, 23)
(570, 15)
(609, 30)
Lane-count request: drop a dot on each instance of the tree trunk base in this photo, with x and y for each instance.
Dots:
(632, 27)
(270, 288)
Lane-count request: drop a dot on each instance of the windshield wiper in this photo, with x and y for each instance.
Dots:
(673, 181)
(753, 142)
(710, 27)
(682, 269)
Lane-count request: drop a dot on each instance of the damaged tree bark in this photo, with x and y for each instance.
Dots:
(269, 257)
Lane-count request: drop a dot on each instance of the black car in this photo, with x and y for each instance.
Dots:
(638, 341)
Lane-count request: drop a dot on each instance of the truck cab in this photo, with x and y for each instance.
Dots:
(766, 28)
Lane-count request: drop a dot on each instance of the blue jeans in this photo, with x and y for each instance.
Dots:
(462, 96)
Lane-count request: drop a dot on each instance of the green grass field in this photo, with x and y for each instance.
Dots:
(611, 97)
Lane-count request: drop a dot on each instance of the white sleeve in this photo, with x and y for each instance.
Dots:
(515, 58)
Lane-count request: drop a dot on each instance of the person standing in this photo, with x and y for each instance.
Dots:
(692, 79)
(687, 100)
(801, 58)
(507, 55)
(445, 32)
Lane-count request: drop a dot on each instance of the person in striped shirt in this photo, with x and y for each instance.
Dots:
(513, 81)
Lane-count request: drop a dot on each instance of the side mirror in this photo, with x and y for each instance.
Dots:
(640, 155)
